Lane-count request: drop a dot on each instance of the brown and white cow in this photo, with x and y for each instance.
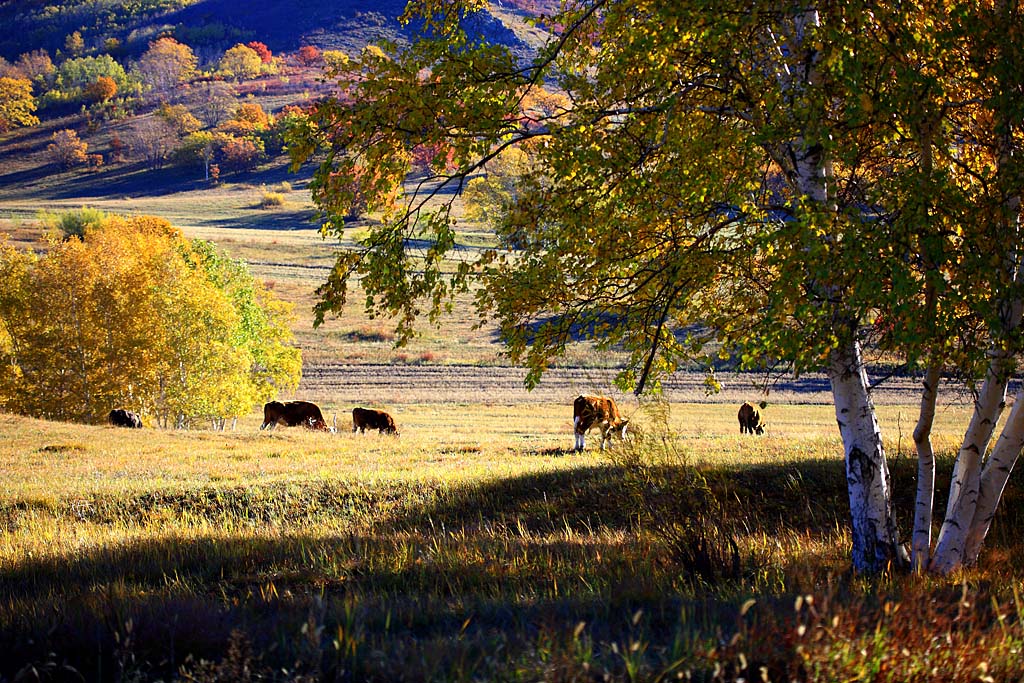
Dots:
(600, 411)
(367, 418)
(293, 414)
(750, 420)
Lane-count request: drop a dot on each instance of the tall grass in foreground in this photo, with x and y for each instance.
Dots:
(301, 556)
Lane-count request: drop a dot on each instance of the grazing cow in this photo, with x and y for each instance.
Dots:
(293, 414)
(588, 411)
(119, 417)
(365, 418)
(750, 420)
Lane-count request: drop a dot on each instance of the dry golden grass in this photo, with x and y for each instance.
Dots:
(472, 545)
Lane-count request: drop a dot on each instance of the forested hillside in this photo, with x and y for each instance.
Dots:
(211, 25)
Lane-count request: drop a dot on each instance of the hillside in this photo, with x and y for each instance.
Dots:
(212, 25)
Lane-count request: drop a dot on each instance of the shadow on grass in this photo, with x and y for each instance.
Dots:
(430, 577)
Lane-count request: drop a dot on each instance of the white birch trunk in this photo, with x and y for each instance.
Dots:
(921, 543)
(993, 479)
(875, 538)
(970, 531)
(963, 489)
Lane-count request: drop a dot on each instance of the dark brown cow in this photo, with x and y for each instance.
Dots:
(366, 418)
(588, 411)
(119, 417)
(750, 420)
(293, 414)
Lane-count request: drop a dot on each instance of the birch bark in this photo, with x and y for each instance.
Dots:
(963, 489)
(875, 538)
(993, 479)
(922, 537)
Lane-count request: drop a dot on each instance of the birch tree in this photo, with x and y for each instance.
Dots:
(799, 180)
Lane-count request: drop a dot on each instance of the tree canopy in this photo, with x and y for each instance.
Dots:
(17, 106)
(796, 184)
(131, 314)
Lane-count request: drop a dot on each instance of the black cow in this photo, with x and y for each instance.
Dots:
(293, 414)
(119, 417)
(750, 420)
(366, 418)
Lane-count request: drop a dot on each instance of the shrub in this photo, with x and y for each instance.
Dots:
(67, 149)
(679, 504)
(75, 223)
(308, 55)
(272, 199)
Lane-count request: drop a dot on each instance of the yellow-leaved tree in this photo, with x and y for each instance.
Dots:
(133, 314)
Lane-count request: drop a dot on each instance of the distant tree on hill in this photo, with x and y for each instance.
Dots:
(212, 102)
(166, 64)
(101, 90)
(153, 139)
(180, 118)
(241, 62)
(241, 154)
(74, 76)
(17, 106)
(133, 313)
(262, 50)
(248, 118)
(308, 55)
(36, 66)
(74, 44)
(202, 147)
(335, 61)
(67, 149)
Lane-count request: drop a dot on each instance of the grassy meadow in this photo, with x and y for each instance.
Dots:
(475, 546)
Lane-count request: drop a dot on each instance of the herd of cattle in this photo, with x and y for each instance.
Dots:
(587, 412)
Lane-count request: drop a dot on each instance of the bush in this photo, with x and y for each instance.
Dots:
(681, 507)
(75, 223)
(271, 199)
(67, 149)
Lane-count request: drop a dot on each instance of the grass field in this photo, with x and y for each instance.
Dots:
(475, 546)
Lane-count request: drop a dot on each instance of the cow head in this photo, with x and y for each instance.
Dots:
(759, 429)
(615, 428)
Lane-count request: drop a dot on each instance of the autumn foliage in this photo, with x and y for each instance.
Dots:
(308, 55)
(17, 105)
(101, 90)
(135, 315)
(67, 149)
(262, 50)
